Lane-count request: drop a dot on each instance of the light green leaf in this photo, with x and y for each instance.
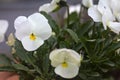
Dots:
(73, 35)
(20, 67)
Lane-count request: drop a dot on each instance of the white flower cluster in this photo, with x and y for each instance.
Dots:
(32, 31)
(107, 12)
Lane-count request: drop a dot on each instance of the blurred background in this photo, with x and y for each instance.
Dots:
(10, 9)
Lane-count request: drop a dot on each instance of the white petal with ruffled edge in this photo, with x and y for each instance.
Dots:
(20, 20)
(67, 72)
(115, 6)
(49, 7)
(95, 14)
(31, 45)
(107, 17)
(57, 57)
(45, 8)
(115, 27)
(23, 29)
(103, 5)
(41, 26)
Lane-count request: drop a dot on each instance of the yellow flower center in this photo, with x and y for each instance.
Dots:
(64, 65)
(32, 37)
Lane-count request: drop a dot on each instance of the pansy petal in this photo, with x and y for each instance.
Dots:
(103, 5)
(68, 72)
(95, 14)
(46, 8)
(37, 19)
(115, 8)
(20, 20)
(23, 30)
(3, 26)
(49, 7)
(118, 17)
(107, 17)
(115, 27)
(44, 31)
(87, 3)
(41, 26)
(57, 57)
(31, 45)
(73, 57)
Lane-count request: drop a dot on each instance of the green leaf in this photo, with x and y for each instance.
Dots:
(73, 17)
(7, 68)
(25, 56)
(94, 74)
(104, 69)
(4, 60)
(73, 35)
(85, 28)
(20, 67)
(109, 63)
(46, 63)
(83, 42)
(112, 47)
(20, 51)
(22, 54)
(83, 76)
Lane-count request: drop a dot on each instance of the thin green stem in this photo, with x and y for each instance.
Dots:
(68, 15)
(80, 13)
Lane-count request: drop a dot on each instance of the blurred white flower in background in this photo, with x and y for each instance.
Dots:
(87, 3)
(32, 31)
(66, 62)
(107, 12)
(73, 8)
(50, 7)
(3, 28)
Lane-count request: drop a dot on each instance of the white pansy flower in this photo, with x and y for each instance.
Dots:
(107, 12)
(3, 29)
(73, 8)
(87, 3)
(49, 7)
(66, 62)
(32, 31)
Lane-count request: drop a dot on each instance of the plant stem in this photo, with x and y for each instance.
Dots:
(68, 15)
(80, 13)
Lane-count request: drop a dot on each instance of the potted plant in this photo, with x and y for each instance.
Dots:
(78, 50)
